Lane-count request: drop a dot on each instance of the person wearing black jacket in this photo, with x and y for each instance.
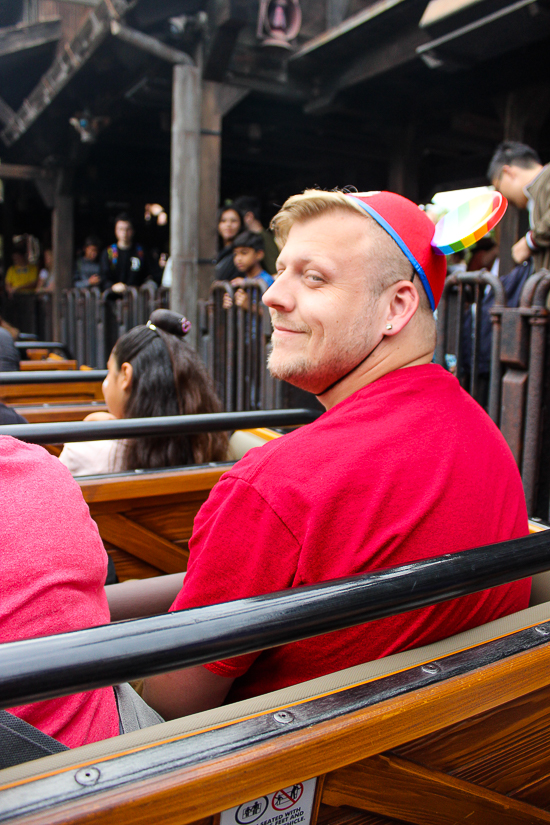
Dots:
(124, 262)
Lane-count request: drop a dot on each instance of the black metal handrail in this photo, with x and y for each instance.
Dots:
(52, 376)
(40, 345)
(64, 431)
(50, 666)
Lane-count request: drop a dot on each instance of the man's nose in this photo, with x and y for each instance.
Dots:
(279, 295)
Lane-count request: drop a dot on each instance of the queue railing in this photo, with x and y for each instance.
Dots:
(518, 367)
(236, 344)
(92, 321)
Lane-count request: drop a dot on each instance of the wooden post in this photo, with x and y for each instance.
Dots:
(184, 193)
(210, 165)
(62, 250)
(403, 168)
(217, 100)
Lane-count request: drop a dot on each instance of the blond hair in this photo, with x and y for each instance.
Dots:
(389, 262)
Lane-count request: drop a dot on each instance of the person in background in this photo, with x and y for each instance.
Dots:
(46, 281)
(21, 276)
(230, 224)
(248, 257)
(87, 268)
(152, 371)
(516, 171)
(123, 263)
(251, 210)
(9, 354)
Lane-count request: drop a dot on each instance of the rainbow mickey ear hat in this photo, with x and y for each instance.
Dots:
(424, 244)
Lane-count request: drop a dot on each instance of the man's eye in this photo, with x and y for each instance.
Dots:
(313, 276)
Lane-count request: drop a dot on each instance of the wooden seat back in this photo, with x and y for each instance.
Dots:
(45, 413)
(48, 364)
(146, 519)
(32, 394)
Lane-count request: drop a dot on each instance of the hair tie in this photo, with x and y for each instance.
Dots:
(171, 322)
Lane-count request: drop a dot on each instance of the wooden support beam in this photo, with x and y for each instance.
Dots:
(17, 171)
(217, 100)
(62, 249)
(368, 64)
(92, 32)
(395, 787)
(148, 44)
(336, 12)
(230, 17)
(17, 38)
(6, 112)
(184, 192)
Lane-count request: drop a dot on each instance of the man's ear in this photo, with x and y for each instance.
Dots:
(126, 373)
(260, 255)
(403, 303)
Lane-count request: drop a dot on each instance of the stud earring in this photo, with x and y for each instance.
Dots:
(389, 326)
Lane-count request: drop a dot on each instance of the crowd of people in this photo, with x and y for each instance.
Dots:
(401, 456)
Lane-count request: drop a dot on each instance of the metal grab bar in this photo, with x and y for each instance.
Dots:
(51, 666)
(65, 431)
(52, 377)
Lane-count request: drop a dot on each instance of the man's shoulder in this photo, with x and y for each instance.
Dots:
(540, 186)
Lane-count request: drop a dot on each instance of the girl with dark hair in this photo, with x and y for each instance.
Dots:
(230, 224)
(152, 372)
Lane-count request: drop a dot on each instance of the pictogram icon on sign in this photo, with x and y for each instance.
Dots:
(251, 811)
(287, 797)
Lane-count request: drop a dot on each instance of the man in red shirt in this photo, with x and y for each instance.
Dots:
(402, 466)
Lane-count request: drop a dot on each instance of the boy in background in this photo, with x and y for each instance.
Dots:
(248, 257)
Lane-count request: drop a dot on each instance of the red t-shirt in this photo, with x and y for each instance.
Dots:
(53, 568)
(407, 468)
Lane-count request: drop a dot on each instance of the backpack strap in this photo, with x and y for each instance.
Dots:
(21, 742)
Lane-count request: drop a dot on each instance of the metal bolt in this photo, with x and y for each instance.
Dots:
(283, 717)
(543, 629)
(87, 776)
(432, 668)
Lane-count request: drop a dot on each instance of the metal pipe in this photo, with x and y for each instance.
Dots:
(65, 431)
(43, 668)
(39, 345)
(52, 377)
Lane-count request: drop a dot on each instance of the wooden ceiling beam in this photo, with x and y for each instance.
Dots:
(18, 38)
(366, 66)
(17, 171)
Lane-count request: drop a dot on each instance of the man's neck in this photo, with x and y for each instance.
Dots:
(124, 246)
(389, 356)
(531, 174)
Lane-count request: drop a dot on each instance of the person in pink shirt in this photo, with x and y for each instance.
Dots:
(53, 569)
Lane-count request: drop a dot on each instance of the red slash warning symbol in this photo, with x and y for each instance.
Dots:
(285, 799)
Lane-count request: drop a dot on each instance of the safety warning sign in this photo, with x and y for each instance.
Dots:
(289, 806)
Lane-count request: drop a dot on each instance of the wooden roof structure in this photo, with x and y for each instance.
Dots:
(408, 95)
